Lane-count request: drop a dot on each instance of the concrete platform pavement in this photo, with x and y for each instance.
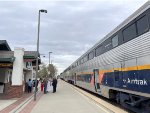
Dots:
(66, 100)
(5, 103)
(9, 105)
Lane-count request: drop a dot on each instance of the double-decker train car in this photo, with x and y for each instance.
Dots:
(118, 66)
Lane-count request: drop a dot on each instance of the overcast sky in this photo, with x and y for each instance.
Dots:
(69, 28)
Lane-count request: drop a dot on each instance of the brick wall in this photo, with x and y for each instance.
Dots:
(12, 91)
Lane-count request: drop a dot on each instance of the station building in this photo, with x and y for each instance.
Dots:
(16, 68)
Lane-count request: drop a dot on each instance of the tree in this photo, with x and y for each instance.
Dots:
(52, 70)
(43, 72)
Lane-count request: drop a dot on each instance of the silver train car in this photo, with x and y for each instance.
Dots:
(118, 66)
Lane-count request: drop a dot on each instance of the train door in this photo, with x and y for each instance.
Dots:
(118, 76)
(75, 78)
(96, 80)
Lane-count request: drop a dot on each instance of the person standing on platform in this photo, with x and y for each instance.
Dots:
(42, 85)
(54, 84)
(45, 86)
(29, 86)
(37, 85)
(33, 85)
(51, 87)
(48, 85)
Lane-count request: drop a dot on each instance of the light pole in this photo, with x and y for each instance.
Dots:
(49, 57)
(51, 61)
(40, 11)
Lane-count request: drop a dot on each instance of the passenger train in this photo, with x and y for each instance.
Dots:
(118, 66)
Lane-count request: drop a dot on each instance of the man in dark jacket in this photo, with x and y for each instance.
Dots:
(54, 84)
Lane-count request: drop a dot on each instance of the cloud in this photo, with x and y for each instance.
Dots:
(69, 28)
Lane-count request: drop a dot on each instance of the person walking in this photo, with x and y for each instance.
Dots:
(29, 86)
(54, 84)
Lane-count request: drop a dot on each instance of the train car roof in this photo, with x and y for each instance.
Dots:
(125, 22)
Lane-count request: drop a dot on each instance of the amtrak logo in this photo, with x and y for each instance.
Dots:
(136, 81)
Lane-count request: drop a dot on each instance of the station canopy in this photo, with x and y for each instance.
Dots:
(7, 56)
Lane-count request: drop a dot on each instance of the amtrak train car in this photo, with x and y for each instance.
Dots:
(118, 66)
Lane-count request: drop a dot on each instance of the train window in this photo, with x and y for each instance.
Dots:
(85, 58)
(115, 41)
(98, 50)
(142, 25)
(129, 33)
(76, 63)
(82, 61)
(91, 55)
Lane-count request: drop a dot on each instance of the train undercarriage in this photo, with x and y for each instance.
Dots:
(132, 102)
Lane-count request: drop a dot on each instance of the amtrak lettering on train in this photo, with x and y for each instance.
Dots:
(136, 81)
(118, 66)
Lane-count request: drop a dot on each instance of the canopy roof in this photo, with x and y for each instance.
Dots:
(8, 56)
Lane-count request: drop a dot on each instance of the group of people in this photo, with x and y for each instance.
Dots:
(31, 85)
(47, 85)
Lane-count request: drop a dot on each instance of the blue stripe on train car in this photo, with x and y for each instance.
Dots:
(145, 76)
(130, 80)
(110, 79)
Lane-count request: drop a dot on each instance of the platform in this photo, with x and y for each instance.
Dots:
(66, 100)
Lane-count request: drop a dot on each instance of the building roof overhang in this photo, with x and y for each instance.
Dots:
(7, 60)
(7, 57)
(4, 46)
(32, 55)
(29, 56)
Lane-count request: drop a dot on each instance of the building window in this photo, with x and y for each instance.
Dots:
(115, 41)
(91, 55)
(129, 33)
(142, 25)
(28, 64)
